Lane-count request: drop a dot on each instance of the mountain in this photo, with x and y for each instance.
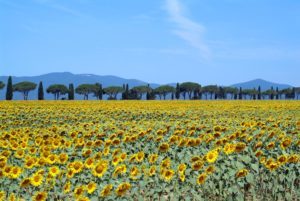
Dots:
(66, 78)
(265, 85)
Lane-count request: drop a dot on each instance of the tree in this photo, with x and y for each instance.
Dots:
(41, 91)
(297, 92)
(150, 94)
(209, 90)
(57, 90)
(177, 92)
(24, 88)
(164, 90)
(189, 88)
(241, 93)
(2, 85)
(141, 90)
(232, 91)
(125, 94)
(98, 92)
(277, 93)
(71, 93)
(259, 93)
(86, 89)
(112, 92)
(9, 89)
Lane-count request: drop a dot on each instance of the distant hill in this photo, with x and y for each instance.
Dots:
(265, 85)
(66, 78)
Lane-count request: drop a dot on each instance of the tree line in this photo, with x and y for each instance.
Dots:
(186, 90)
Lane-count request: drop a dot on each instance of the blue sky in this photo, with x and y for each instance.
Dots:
(161, 41)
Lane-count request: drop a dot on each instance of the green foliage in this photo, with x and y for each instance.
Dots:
(164, 90)
(177, 93)
(57, 90)
(9, 89)
(24, 87)
(41, 91)
(2, 85)
(71, 95)
(113, 91)
(189, 88)
(209, 90)
(86, 89)
(140, 90)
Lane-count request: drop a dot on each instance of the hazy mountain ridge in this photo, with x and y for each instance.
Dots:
(265, 85)
(107, 80)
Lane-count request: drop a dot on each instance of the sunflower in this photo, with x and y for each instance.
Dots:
(63, 158)
(121, 169)
(36, 180)
(285, 143)
(201, 178)
(181, 168)
(7, 170)
(259, 153)
(67, 187)
(197, 165)
(77, 166)
(195, 158)
(122, 189)
(182, 177)
(2, 195)
(29, 163)
(166, 163)
(239, 147)
(106, 190)
(271, 145)
(282, 159)
(70, 173)
(272, 165)
(19, 153)
(140, 156)
(210, 169)
(40, 196)
(54, 171)
(212, 156)
(100, 169)
(91, 187)
(15, 172)
(164, 147)
(294, 158)
(242, 173)
(51, 159)
(25, 183)
(167, 174)
(89, 163)
(229, 148)
(152, 170)
(78, 191)
(152, 158)
(115, 160)
(134, 172)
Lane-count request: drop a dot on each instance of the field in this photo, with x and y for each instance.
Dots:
(150, 150)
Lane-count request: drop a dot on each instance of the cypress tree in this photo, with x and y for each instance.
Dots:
(41, 91)
(259, 93)
(177, 93)
(100, 95)
(9, 89)
(272, 93)
(71, 95)
(277, 93)
(241, 93)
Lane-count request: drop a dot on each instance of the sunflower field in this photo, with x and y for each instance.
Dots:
(150, 150)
